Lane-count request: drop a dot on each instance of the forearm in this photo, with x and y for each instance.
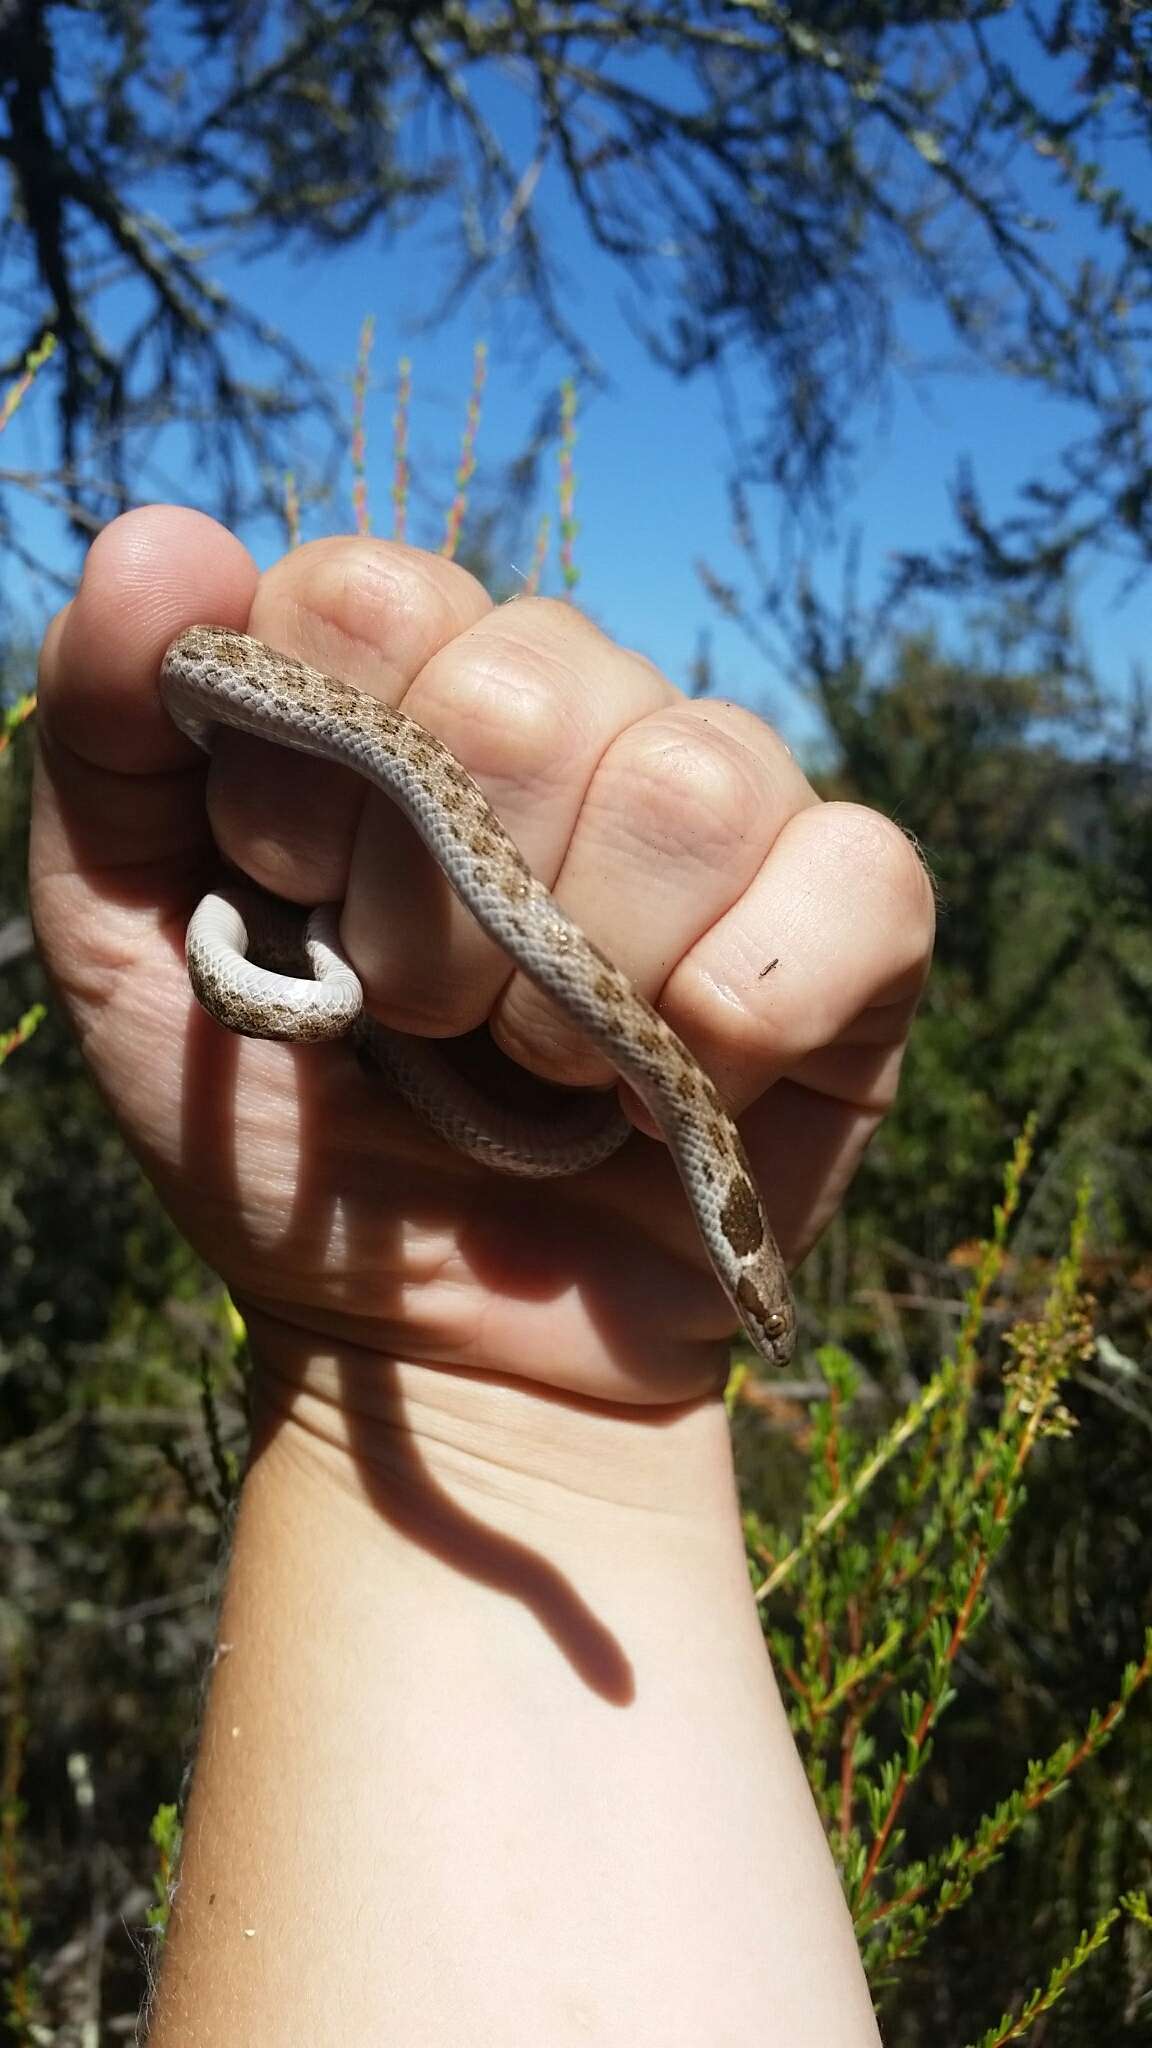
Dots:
(493, 1752)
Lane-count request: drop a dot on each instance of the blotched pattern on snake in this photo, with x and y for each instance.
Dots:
(212, 677)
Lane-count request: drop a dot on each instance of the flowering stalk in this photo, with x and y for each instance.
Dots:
(539, 555)
(359, 396)
(568, 526)
(400, 419)
(466, 467)
(291, 508)
(1046, 1352)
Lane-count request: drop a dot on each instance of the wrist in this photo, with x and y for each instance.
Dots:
(434, 1448)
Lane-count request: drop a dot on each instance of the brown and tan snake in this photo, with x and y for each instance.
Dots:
(212, 677)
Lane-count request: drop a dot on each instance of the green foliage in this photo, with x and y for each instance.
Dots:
(872, 1607)
(109, 1557)
(164, 1833)
(1045, 947)
(1028, 789)
(1013, 2027)
(22, 1030)
(20, 2004)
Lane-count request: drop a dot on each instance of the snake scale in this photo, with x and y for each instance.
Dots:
(211, 677)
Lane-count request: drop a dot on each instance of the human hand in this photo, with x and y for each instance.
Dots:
(680, 834)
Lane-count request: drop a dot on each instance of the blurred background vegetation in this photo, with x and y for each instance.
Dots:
(803, 165)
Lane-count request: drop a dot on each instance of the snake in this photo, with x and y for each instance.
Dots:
(213, 677)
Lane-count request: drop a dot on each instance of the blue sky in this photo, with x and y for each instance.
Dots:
(651, 457)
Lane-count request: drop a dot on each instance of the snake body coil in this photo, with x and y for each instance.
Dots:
(210, 677)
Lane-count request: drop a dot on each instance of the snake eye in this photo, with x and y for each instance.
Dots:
(778, 1337)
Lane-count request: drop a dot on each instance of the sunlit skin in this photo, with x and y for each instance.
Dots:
(494, 1753)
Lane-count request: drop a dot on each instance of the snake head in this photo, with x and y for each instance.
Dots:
(768, 1315)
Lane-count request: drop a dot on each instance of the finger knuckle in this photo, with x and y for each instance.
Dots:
(685, 790)
(510, 711)
(350, 602)
(880, 852)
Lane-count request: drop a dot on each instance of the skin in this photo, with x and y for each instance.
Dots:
(492, 1750)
